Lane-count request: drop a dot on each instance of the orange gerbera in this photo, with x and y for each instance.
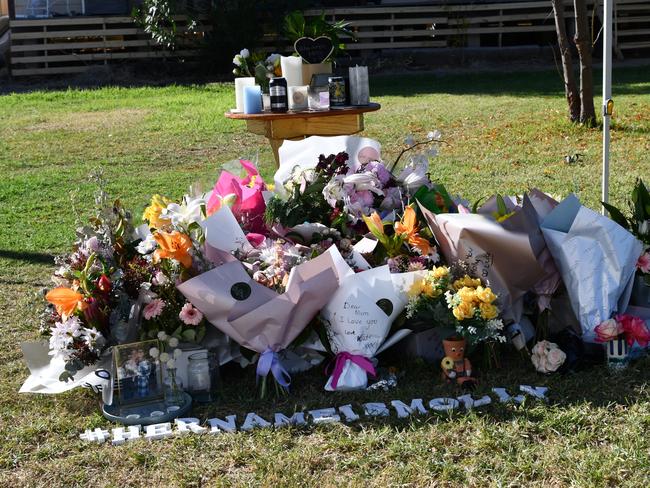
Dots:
(174, 245)
(408, 228)
(65, 300)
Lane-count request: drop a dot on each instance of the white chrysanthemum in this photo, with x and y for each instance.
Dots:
(147, 245)
(162, 336)
(154, 352)
(173, 342)
(164, 357)
(177, 353)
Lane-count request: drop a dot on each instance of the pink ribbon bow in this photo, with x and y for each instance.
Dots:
(339, 363)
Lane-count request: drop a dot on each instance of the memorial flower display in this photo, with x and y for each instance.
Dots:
(344, 257)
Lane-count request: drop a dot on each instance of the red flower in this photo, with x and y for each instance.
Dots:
(634, 329)
(104, 284)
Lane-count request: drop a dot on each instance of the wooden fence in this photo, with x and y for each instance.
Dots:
(73, 44)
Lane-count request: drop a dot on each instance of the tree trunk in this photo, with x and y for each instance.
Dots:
(570, 86)
(583, 43)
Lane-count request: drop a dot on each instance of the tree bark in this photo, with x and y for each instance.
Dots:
(570, 86)
(583, 43)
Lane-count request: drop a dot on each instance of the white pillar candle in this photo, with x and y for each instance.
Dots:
(240, 83)
(292, 70)
(359, 86)
(298, 97)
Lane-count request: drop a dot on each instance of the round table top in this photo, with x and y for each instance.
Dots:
(352, 110)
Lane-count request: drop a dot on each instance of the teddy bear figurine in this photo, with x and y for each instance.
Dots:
(455, 366)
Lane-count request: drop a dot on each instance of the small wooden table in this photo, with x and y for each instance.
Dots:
(277, 127)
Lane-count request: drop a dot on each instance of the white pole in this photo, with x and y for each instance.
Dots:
(607, 94)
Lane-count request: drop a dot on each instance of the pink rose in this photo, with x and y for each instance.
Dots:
(547, 357)
(635, 330)
(608, 330)
(643, 264)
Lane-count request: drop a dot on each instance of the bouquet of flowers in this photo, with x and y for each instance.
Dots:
(624, 326)
(267, 317)
(358, 319)
(401, 242)
(453, 299)
(257, 65)
(89, 308)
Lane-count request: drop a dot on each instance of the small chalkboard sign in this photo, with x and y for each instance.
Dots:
(314, 51)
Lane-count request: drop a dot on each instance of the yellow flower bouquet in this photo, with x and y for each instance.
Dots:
(454, 299)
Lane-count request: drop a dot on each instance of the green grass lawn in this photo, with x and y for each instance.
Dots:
(506, 132)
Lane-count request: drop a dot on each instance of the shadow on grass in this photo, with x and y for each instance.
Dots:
(595, 387)
(30, 257)
(626, 81)
(630, 80)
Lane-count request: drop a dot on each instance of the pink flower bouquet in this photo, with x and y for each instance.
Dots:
(244, 195)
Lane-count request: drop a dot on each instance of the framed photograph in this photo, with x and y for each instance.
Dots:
(138, 375)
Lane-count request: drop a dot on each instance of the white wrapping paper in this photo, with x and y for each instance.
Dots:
(45, 371)
(304, 154)
(355, 323)
(596, 258)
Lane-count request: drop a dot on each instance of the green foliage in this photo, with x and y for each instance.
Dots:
(435, 199)
(296, 25)
(593, 432)
(638, 223)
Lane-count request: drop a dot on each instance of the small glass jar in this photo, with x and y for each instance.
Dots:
(203, 376)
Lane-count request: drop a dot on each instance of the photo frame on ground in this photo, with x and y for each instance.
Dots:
(138, 374)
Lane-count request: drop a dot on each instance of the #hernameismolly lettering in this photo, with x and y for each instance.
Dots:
(344, 413)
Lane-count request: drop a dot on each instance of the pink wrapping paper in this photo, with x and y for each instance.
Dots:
(265, 319)
(526, 220)
(505, 258)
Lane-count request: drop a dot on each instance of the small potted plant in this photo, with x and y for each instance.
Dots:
(464, 306)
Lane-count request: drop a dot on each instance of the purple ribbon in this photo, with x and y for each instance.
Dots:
(269, 361)
(339, 363)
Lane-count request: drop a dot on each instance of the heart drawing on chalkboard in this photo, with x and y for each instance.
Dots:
(314, 51)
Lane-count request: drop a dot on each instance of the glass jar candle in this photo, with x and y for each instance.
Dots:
(203, 376)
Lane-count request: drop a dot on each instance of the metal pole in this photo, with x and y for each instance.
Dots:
(607, 94)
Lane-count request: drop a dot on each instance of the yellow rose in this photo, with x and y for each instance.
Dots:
(466, 281)
(416, 288)
(153, 211)
(467, 294)
(464, 311)
(485, 294)
(488, 311)
(440, 272)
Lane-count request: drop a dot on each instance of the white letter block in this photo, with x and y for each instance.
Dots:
(120, 436)
(253, 420)
(158, 431)
(348, 413)
(217, 425)
(443, 404)
(325, 415)
(98, 435)
(281, 420)
(536, 391)
(403, 410)
(470, 403)
(189, 424)
(504, 396)
(375, 410)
